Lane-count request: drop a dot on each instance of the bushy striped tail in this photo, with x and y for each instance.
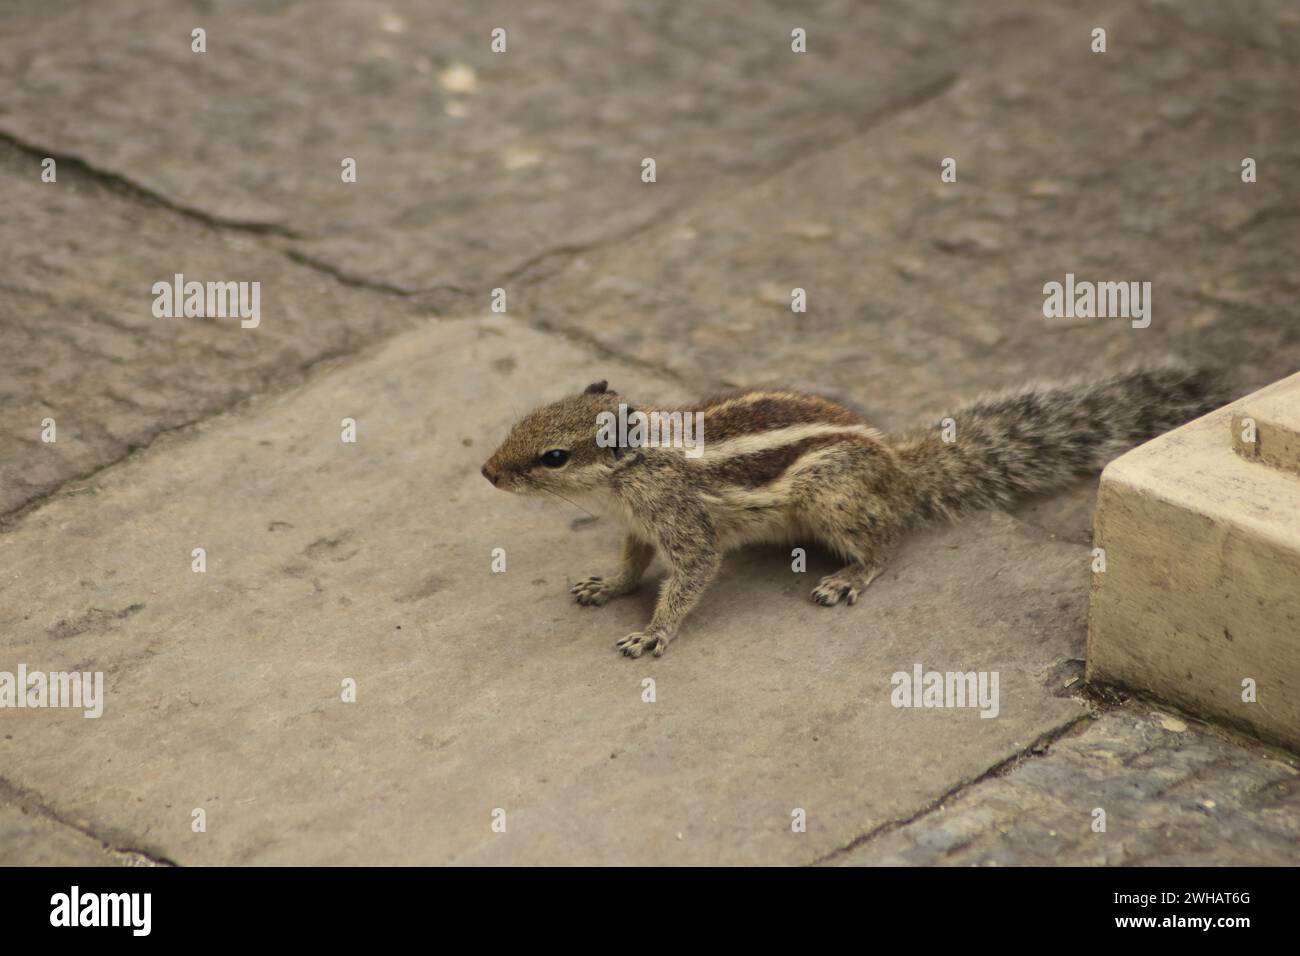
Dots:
(1042, 437)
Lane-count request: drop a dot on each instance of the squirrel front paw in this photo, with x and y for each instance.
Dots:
(638, 642)
(594, 591)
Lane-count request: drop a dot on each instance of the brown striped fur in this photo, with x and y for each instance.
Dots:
(783, 466)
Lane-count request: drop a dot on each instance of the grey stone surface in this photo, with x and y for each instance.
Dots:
(1123, 165)
(29, 839)
(371, 561)
(472, 165)
(1175, 793)
(82, 346)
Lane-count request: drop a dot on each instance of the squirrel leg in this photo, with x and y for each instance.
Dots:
(847, 508)
(595, 590)
(691, 572)
(869, 544)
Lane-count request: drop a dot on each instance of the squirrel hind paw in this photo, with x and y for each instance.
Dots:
(833, 589)
(845, 584)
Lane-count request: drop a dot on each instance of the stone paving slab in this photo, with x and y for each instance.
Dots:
(28, 839)
(464, 176)
(1121, 166)
(82, 344)
(471, 164)
(1175, 793)
(477, 691)
(901, 334)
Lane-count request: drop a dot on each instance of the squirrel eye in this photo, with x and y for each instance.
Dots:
(555, 458)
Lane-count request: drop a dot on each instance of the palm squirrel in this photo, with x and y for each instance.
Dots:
(783, 466)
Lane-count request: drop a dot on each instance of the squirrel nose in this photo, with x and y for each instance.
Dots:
(491, 476)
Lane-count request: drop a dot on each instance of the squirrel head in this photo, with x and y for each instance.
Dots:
(554, 448)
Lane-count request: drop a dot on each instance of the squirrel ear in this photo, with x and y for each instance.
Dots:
(597, 388)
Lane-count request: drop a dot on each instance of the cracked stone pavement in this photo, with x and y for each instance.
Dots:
(372, 561)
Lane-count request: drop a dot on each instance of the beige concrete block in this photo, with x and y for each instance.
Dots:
(1200, 596)
(1267, 428)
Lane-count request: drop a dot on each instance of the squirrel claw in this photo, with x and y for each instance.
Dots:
(638, 642)
(592, 592)
(830, 591)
